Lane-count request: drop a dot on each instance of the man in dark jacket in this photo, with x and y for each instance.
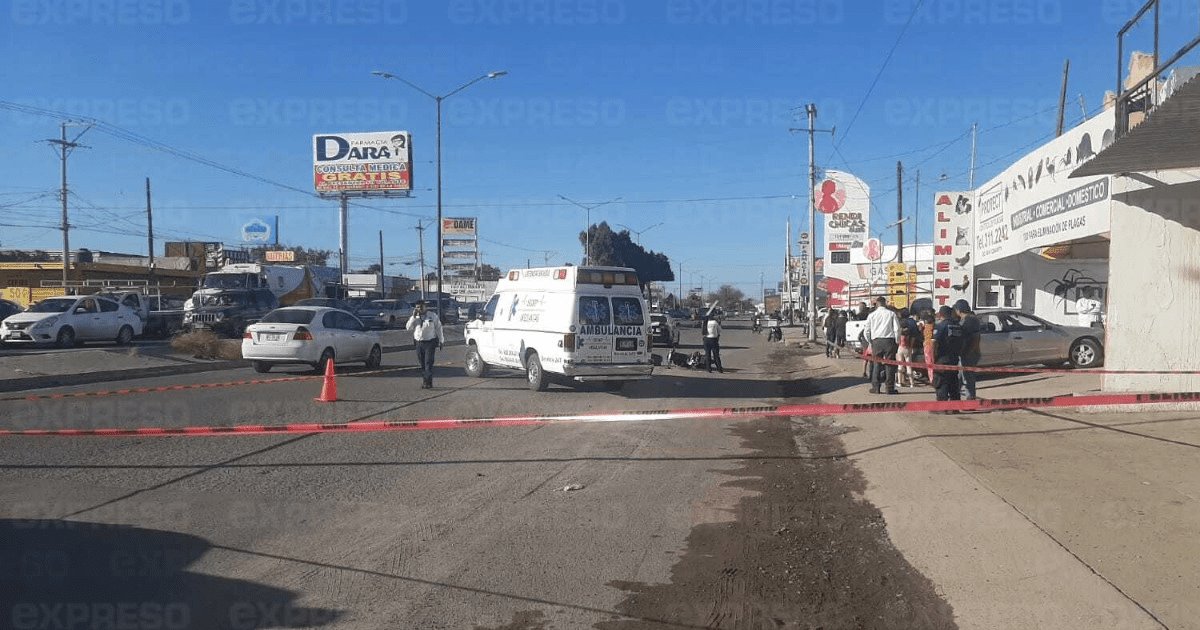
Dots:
(948, 345)
(971, 355)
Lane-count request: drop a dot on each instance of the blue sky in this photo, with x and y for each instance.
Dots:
(654, 102)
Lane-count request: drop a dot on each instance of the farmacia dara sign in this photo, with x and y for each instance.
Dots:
(362, 163)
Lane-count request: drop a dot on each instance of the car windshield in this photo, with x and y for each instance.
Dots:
(223, 299)
(289, 316)
(52, 306)
(375, 306)
(225, 281)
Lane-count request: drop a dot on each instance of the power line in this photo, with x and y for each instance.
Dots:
(879, 74)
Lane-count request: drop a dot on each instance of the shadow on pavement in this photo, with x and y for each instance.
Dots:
(74, 574)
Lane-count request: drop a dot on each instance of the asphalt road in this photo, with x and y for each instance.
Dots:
(426, 529)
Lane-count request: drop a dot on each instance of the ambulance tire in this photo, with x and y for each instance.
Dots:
(474, 365)
(537, 378)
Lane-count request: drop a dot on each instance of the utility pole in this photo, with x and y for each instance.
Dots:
(421, 249)
(149, 230)
(380, 260)
(1062, 99)
(811, 110)
(971, 171)
(917, 216)
(277, 231)
(65, 147)
(787, 271)
(899, 212)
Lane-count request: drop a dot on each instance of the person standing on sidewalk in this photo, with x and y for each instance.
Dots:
(927, 330)
(830, 334)
(427, 333)
(908, 335)
(712, 344)
(971, 355)
(948, 344)
(841, 334)
(883, 333)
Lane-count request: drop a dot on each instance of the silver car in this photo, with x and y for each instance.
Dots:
(384, 313)
(1011, 337)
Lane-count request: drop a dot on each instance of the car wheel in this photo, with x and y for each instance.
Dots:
(475, 367)
(262, 367)
(326, 357)
(125, 336)
(1086, 353)
(534, 373)
(66, 337)
(375, 359)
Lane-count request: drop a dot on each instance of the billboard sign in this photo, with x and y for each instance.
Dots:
(459, 226)
(284, 255)
(1034, 204)
(378, 162)
(845, 200)
(256, 231)
(953, 267)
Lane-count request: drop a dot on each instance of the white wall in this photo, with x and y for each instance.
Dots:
(1155, 281)
(1048, 288)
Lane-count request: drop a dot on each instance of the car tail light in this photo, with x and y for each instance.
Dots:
(568, 342)
(302, 335)
(247, 335)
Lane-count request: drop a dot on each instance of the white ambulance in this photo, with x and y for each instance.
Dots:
(564, 323)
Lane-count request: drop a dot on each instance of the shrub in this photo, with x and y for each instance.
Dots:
(204, 344)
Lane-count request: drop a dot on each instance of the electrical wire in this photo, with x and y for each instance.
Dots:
(879, 74)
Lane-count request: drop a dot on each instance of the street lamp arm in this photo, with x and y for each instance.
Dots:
(388, 75)
(490, 75)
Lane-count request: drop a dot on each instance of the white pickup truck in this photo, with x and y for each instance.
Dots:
(161, 316)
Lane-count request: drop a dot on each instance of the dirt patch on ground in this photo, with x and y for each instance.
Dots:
(804, 550)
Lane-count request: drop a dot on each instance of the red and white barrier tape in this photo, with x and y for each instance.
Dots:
(625, 416)
(937, 367)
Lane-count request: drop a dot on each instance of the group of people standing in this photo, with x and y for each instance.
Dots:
(949, 336)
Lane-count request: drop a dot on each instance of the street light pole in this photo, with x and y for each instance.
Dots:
(587, 233)
(638, 233)
(438, 101)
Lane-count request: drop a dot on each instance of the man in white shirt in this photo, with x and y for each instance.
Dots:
(712, 344)
(426, 328)
(883, 333)
(1088, 308)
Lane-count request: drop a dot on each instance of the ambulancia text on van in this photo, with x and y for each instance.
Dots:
(564, 323)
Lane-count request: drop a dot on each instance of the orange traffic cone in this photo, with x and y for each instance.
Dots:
(329, 387)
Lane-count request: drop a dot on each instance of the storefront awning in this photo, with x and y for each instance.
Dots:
(1169, 138)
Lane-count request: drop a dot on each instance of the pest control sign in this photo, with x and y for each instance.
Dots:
(377, 162)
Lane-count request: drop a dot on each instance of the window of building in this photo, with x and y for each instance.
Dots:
(1000, 293)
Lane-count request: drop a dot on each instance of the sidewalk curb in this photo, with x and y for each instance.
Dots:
(67, 380)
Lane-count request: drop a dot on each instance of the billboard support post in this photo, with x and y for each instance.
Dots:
(343, 239)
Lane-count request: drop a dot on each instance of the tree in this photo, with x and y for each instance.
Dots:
(489, 273)
(728, 297)
(373, 268)
(617, 249)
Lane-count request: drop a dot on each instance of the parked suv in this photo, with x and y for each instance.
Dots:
(229, 312)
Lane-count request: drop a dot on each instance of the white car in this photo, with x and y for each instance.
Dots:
(69, 320)
(310, 335)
